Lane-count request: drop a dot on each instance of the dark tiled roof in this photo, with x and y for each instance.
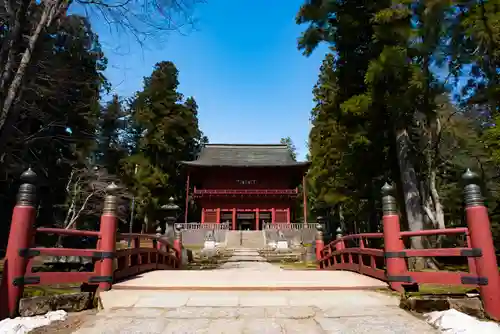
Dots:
(240, 155)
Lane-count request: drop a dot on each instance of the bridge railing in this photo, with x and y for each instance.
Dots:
(148, 252)
(353, 253)
(390, 262)
(106, 262)
(30, 256)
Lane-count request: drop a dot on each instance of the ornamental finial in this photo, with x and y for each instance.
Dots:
(26, 195)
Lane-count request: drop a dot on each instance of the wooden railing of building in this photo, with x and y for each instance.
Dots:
(213, 192)
(110, 264)
(289, 226)
(355, 253)
(224, 226)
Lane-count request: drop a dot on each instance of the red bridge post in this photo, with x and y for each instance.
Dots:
(20, 238)
(320, 243)
(157, 243)
(340, 244)
(395, 265)
(178, 242)
(481, 238)
(108, 231)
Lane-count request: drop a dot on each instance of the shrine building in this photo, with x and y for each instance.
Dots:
(245, 186)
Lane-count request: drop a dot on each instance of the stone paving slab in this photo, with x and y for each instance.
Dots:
(356, 299)
(136, 306)
(340, 312)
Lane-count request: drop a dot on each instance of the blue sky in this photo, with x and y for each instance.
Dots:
(242, 66)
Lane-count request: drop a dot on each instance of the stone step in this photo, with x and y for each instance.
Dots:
(246, 259)
(245, 239)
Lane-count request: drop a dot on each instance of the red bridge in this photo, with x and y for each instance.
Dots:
(386, 265)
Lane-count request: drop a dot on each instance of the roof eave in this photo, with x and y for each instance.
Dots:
(197, 164)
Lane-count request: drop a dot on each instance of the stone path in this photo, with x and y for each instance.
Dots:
(130, 310)
(245, 255)
(258, 312)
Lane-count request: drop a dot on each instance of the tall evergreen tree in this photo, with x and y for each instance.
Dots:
(342, 137)
(291, 146)
(378, 100)
(58, 110)
(170, 133)
(110, 149)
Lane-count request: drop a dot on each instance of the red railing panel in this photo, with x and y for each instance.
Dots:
(440, 277)
(50, 278)
(68, 232)
(338, 255)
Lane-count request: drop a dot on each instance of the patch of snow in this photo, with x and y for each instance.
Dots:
(454, 322)
(23, 325)
(282, 244)
(272, 244)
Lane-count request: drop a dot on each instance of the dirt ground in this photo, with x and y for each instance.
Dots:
(72, 323)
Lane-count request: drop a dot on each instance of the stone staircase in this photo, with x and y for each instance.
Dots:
(240, 256)
(245, 239)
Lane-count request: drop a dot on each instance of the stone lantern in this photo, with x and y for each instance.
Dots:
(321, 221)
(171, 211)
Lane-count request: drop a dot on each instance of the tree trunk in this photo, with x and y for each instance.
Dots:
(409, 182)
(51, 11)
(14, 87)
(341, 219)
(145, 224)
(10, 45)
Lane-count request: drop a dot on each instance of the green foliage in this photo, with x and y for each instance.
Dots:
(379, 79)
(291, 146)
(55, 122)
(169, 130)
(346, 150)
(111, 148)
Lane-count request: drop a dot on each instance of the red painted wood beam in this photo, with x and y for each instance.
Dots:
(187, 200)
(304, 198)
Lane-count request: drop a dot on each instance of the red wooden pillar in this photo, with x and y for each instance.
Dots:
(288, 215)
(320, 243)
(108, 228)
(340, 245)
(203, 215)
(234, 219)
(395, 265)
(481, 238)
(156, 243)
(304, 199)
(257, 218)
(217, 219)
(187, 201)
(20, 237)
(178, 243)
(273, 215)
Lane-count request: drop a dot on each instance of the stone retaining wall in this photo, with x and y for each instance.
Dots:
(197, 237)
(294, 237)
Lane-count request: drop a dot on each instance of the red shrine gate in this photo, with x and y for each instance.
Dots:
(246, 186)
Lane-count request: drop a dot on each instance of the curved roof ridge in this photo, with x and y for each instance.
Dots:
(245, 155)
(246, 145)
